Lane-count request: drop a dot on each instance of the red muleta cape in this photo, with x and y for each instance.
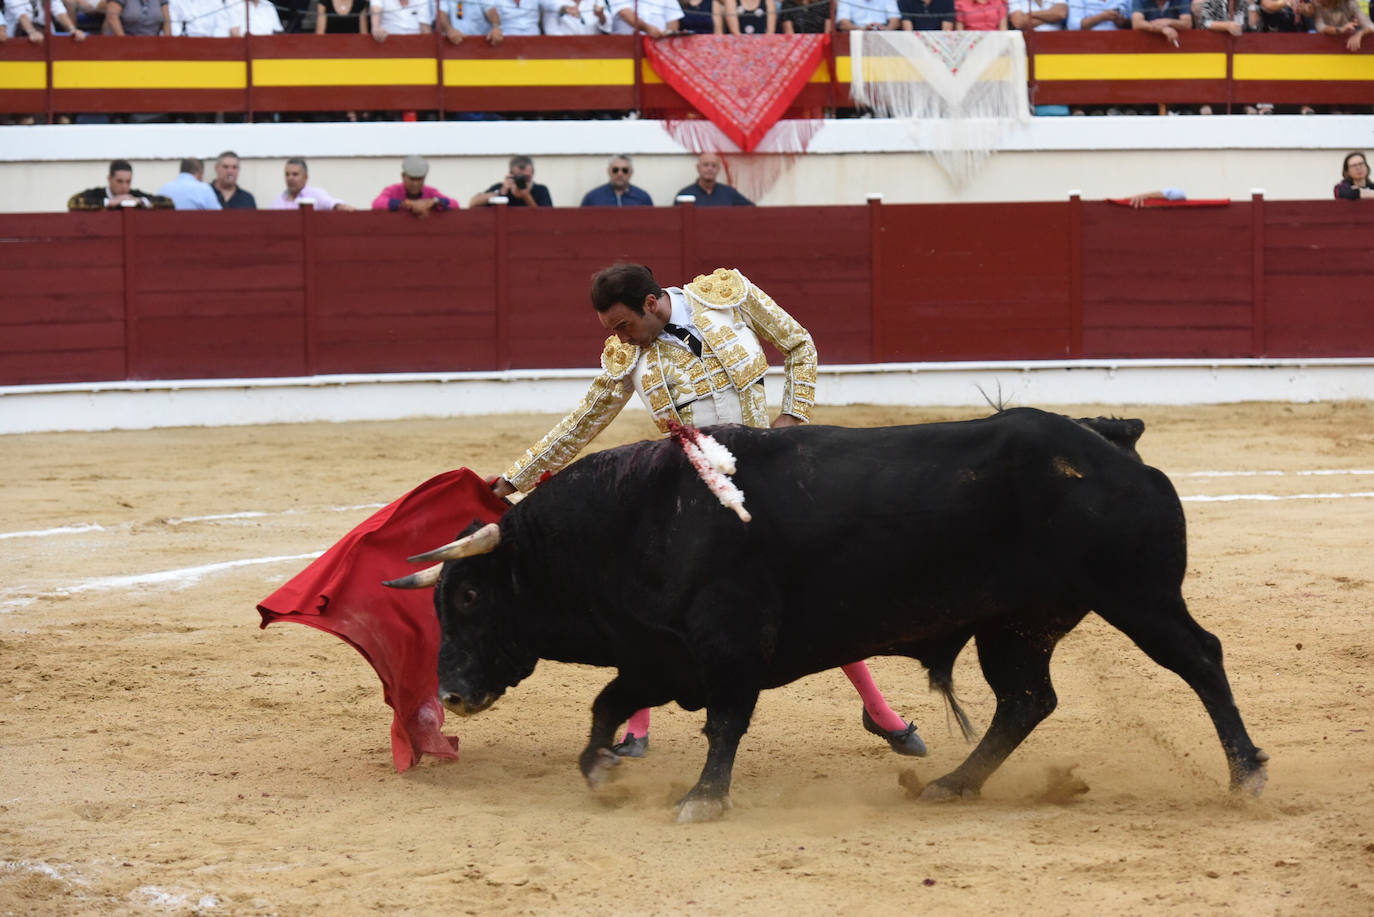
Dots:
(396, 630)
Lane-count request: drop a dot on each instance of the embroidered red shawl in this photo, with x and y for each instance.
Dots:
(743, 83)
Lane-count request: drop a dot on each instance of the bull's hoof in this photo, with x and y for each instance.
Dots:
(939, 791)
(601, 768)
(1253, 781)
(690, 810)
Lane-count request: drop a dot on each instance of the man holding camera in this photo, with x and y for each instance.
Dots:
(518, 187)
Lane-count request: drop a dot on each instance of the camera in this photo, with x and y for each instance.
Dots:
(519, 181)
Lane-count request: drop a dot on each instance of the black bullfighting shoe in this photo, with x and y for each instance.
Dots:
(634, 746)
(903, 741)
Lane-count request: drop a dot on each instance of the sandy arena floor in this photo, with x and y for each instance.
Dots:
(159, 754)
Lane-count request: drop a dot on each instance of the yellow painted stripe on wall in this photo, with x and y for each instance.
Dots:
(23, 74)
(149, 74)
(1130, 67)
(346, 71)
(590, 71)
(1303, 67)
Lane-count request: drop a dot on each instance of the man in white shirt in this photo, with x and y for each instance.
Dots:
(461, 18)
(574, 17)
(857, 15)
(654, 18)
(401, 17)
(1097, 15)
(1037, 15)
(199, 18)
(255, 17)
(512, 17)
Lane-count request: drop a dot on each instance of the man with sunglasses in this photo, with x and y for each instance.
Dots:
(618, 192)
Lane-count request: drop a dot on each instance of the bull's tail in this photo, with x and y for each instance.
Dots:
(940, 664)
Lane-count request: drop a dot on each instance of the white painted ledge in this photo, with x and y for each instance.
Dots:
(234, 402)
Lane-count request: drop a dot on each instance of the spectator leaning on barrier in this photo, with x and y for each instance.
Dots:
(518, 187)
(462, 18)
(512, 17)
(807, 17)
(1218, 16)
(299, 191)
(1039, 15)
(1355, 183)
(199, 18)
(401, 17)
(927, 15)
(701, 17)
(342, 17)
(655, 18)
(575, 17)
(253, 17)
(855, 15)
(187, 191)
(980, 15)
(1165, 17)
(1343, 17)
(138, 17)
(117, 192)
(1098, 15)
(24, 19)
(709, 192)
(411, 194)
(618, 192)
(751, 17)
(1167, 194)
(1285, 15)
(226, 184)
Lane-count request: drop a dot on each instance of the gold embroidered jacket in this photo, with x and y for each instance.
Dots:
(732, 314)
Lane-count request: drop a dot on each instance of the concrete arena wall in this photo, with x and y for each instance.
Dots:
(234, 402)
(1290, 157)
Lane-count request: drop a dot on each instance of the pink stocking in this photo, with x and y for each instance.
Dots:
(877, 707)
(639, 721)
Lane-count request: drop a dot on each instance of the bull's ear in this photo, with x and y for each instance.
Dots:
(1122, 432)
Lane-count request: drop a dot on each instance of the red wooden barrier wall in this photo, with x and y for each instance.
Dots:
(335, 73)
(167, 295)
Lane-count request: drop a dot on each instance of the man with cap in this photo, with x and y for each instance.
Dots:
(412, 194)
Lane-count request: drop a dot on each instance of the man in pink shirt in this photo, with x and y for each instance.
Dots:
(980, 15)
(412, 194)
(298, 191)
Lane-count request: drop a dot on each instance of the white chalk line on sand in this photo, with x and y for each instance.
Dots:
(60, 530)
(183, 520)
(1223, 498)
(181, 577)
(1315, 472)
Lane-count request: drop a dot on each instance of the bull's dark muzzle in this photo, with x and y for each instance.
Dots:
(457, 702)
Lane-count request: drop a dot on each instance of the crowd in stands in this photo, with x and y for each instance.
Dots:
(410, 195)
(492, 20)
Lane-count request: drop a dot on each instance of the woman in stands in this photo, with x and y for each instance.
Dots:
(1355, 183)
(701, 17)
(751, 17)
(341, 17)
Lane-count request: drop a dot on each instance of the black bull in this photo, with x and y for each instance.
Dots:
(904, 541)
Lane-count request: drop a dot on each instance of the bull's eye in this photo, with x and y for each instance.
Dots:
(470, 596)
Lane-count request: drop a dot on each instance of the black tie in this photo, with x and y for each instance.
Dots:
(688, 338)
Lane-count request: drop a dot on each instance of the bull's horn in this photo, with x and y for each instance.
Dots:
(482, 541)
(422, 580)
